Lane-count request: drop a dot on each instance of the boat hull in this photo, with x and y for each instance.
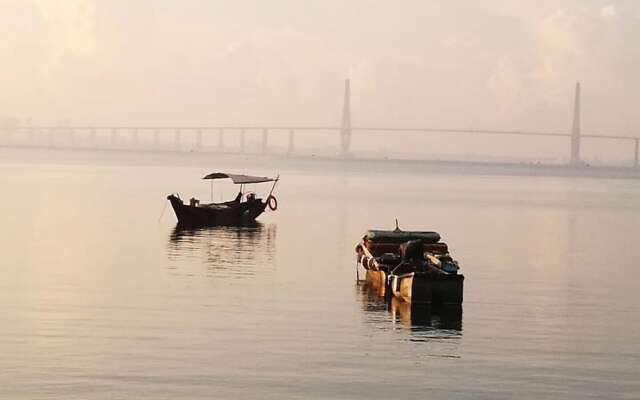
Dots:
(233, 215)
(423, 288)
(376, 280)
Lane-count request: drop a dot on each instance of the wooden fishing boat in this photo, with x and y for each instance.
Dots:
(409, 265)
(242, 210)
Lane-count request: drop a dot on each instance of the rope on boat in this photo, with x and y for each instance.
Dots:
(162, 213)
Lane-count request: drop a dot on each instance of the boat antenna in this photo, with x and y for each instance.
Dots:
(397, 228)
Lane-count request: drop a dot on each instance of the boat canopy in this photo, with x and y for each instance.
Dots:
(398, 236)
(240, 179)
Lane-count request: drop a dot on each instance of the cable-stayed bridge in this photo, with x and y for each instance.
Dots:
(172, 138)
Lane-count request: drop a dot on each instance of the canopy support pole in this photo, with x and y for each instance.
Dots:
(274, 184)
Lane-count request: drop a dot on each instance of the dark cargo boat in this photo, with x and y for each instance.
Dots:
(413, 266)
(242, 210)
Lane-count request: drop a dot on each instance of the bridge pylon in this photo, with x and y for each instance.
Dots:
(345, 127)
(575, 128)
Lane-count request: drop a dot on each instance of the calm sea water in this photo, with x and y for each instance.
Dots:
(101, 297)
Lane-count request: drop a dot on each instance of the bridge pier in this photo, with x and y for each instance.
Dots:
(134, 137)
(220, 139)
(7, 136)
(156, 137)
(92, 137)
(291, 141)
(199, 139)
(265, 138)
(178, 138)
(60, 135)
(114, 136)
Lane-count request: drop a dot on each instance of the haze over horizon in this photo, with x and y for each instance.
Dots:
(475, 238)
(494, 65)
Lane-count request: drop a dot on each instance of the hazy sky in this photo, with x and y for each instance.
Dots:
(482, 64)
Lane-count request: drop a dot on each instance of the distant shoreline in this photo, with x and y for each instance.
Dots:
(74, 155)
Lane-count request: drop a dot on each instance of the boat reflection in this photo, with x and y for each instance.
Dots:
(434, 321)
(226, 250)
(420, 316)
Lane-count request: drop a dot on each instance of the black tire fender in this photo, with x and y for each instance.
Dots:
(272, 202)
